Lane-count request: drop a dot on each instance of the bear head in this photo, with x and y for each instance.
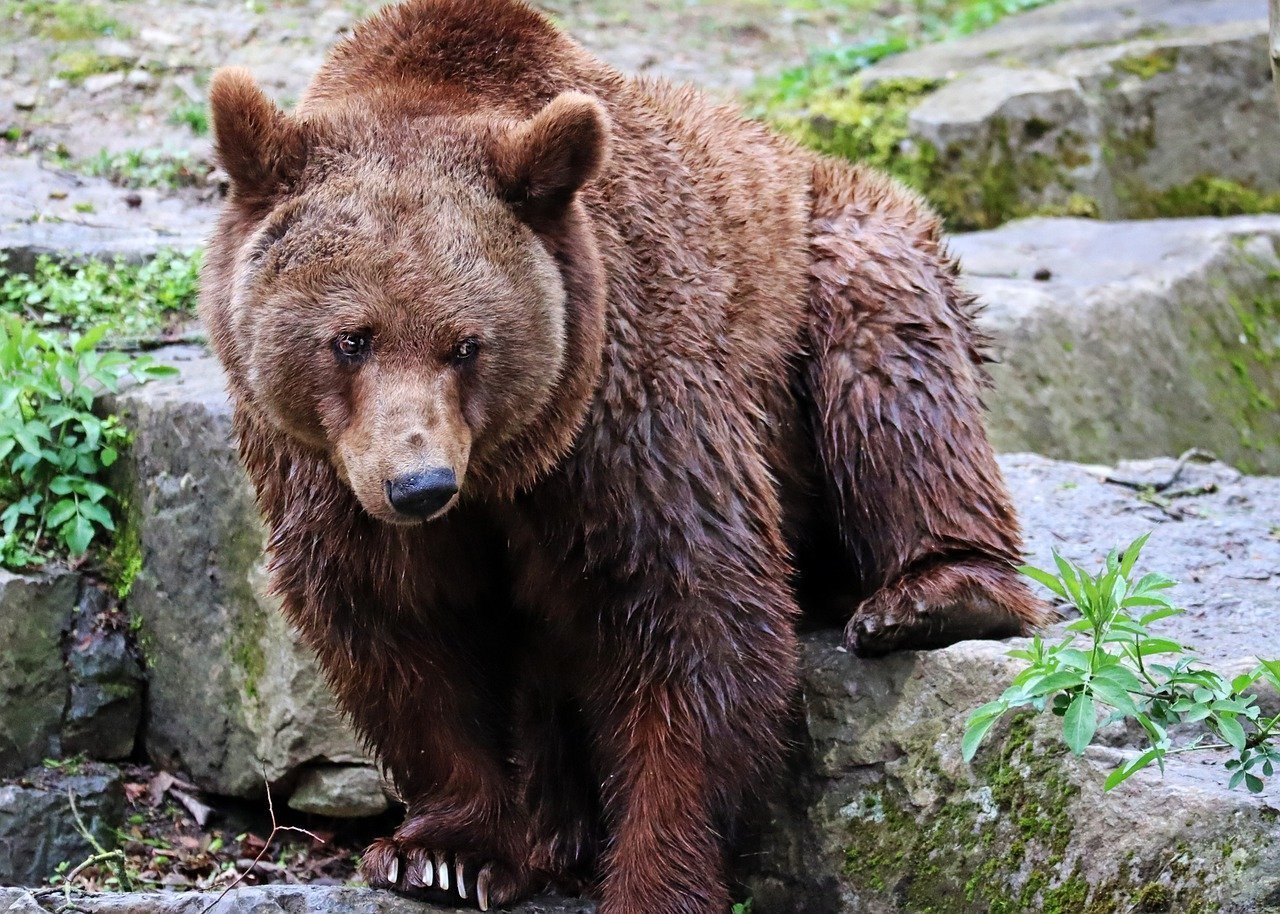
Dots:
(418, 298)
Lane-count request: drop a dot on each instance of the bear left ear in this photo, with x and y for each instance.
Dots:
(543, 162)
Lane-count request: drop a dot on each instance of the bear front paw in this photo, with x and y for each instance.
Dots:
(438, 874)
(943, 604)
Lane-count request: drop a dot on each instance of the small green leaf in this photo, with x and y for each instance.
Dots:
(80, 535)
(1129, 769)
(974, 734)
(1230, 730)
(1079, 724)
(1046, 578)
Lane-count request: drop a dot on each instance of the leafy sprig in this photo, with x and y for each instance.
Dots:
(1111, 665)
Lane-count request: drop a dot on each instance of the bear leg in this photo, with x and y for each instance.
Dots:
(894, 378)
(437, 726)
(696, 706)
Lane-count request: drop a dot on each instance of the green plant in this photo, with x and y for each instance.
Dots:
(195, 115)
(62, 20)
(53, 448)
(932, 22)
(131, 300)
(1109, 661)
(145, 168)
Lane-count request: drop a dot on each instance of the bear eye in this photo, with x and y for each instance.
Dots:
(351, 346)
(465, 351)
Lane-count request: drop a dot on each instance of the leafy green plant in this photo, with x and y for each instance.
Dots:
(132, 300)
(195, 115)
(1110, 662)
(54, 448)
(902, 33)
(146, 168)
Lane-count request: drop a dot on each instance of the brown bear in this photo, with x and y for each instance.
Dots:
(563, 393)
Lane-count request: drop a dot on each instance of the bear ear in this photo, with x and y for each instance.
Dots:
(544, 161)
(261, 149)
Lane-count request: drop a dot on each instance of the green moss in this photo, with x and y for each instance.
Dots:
(124, 561)
(1204, 196)
(1145, 66)
(971, 188)
(1006, 852)
(1153, 898)
(78, 64)
(864, 124)
(1240, 373)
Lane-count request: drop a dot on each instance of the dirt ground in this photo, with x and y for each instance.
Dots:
(130, 74)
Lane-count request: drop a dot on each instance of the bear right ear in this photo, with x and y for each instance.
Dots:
(261, 149)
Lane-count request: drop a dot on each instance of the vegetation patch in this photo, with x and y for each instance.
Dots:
(54, 448)
(1146, 66)
(62, 20)
(1206, 195)
(78, 64)
(131, 301)
(133, 168)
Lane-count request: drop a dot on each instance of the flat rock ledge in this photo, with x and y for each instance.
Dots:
(272, 899)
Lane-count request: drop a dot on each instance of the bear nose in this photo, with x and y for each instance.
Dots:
(422, 494)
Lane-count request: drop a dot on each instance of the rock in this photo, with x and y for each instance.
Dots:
(101, 82)
(34, 613)
(104, 708)
(880, 813)
(1147, 338)
(233, 699)
(25, 99)
(37, 828)
(340, 791)
(270, 899)
(38, 215)
(1119, 109)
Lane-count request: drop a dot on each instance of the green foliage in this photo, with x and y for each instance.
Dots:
(131, 300)
(61, 20)
(54, 449)
(931, 22)
(1206, 195)
(145, 168)
(1110, 662)
(195, 115)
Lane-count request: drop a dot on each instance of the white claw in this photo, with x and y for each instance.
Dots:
(462, 882)
(442, 871)
(393, 871)
(428, 876)
(482, 887)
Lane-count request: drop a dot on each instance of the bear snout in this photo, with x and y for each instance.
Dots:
(422, 494)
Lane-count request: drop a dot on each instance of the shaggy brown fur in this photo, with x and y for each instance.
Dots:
(655, 377)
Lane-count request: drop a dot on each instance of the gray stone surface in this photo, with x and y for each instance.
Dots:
(104, 704)
(37, 828)
(340, 791)
(1146, 338)
(34, 612)
(234, 699)
(39, 215)
(880, 813)
(274, 899)
(1089, 103)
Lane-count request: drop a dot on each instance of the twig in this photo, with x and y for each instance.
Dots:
(101, 855)
(275, 830)
(1194, 454)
